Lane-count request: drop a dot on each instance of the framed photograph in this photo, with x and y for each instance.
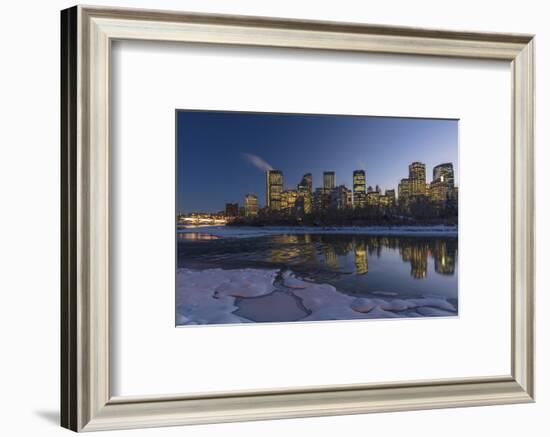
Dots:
(267, 218)
(254, 247)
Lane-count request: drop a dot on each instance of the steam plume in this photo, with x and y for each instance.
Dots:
(257, 162)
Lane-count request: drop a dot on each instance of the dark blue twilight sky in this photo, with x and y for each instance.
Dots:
(214, 163)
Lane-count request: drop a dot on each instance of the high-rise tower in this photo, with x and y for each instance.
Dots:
(274, 189)
(305, 194)
(307, 182)
(444, 173)
(442, 187)
(328, 180)
(417, 178)
(250, 205)
(359, 189)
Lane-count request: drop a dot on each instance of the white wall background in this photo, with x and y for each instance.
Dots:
(29, 231)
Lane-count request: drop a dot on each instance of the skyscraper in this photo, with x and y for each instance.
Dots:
(250, 205)
(305, 194)
(307, 182)
(439, 191)
(340, 197)
(385, 200)
(444, 173)
(390, 194)
(288, 201)
(404, 193)
(321, 199)
(417, 177)
(305, 200)
(359, 189)
(231, 209)
(274, 189)
(442, 186)
(328, 180)
(388, 199)
(373, 199)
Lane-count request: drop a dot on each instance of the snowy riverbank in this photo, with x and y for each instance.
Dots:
(249, 231)
(212, 297)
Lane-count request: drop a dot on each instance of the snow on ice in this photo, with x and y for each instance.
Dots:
(209, 297)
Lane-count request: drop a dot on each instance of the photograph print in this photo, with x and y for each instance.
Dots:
(308, 217)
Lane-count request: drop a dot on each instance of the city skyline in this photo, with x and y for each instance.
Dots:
(382, 147)
(305, 198)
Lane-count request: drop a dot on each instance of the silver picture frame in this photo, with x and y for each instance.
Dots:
(86, 400)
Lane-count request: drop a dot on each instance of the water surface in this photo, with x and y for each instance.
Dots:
(357, 265)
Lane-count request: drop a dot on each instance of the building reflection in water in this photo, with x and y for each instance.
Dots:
(444, 257)
(418, 257)
(331, 259)
(289, 247)
(196, 236)
(361, 260)
(325, 250)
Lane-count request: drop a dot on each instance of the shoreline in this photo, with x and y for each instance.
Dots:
(252, 231)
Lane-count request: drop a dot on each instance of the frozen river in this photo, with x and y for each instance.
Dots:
(288, 277)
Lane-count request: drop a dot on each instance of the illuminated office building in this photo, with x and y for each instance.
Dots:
(404, 193)
(373, 198)
(350, 198)
(359, 189)
(439, 191)
(288, 201)
(442, 188)
(328, 180)
(385, 201)
(232, 209)
(417, 178)
(304, 203)
(417, 170)
(340, 197)
(318, 199)
(444, 173)
(250, 205)
(274, 189)
(321, 199)
(390, 194)
(307, 182)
